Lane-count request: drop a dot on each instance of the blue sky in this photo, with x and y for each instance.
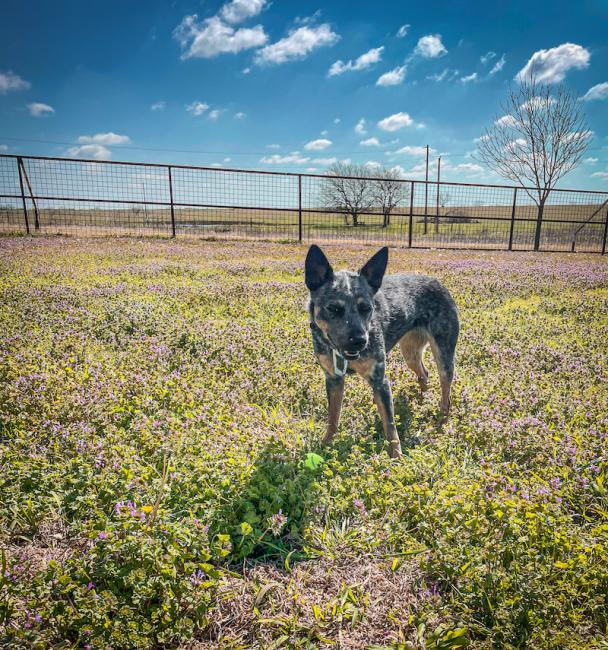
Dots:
(290, 86)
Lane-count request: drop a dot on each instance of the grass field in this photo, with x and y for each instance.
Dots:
(162, 483)
(484, 226)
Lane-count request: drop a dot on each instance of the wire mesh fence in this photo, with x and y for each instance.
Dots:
(43, 195)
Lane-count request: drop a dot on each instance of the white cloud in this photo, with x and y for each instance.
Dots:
(38, 109)
(537, 103)
(414, 151)
(227, 160)
(197, 108)
(446, 73)
(246, 70)
(370, 142)
(324, 132)
(273, 146)
(277, 159)
(395, 122)
(402, 31)
(599, 91)
(216, 165)
(158, 106)
(468, 78)
(552, 65)
(337, 120)
(393, 77)
(602, 175)
(318, 145)
(430, 47)
(95, 151)
(469, 168)
(3, 147)
(297, 45)
(214, 114)
(240, 115)
(506, 120)
(360, 63)
(360, 127)
(212, 37)
(104, 139)
(10, 81)
(372, 164)
(518, 142)
(591, 161)
(487, 57)
(498, 66)
(324, 161)
(237, 11)
(311, 169)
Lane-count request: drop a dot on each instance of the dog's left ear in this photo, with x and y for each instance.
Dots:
(375, 268)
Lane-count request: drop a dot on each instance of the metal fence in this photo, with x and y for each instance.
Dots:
(74, 196)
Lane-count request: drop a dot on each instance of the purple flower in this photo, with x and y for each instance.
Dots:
(277, 523)
(360, 506)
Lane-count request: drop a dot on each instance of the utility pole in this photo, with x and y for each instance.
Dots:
(438, 181)
(426, 192)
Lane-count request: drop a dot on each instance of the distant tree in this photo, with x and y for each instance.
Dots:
(541, 136)
(388, 192)
(347, 190)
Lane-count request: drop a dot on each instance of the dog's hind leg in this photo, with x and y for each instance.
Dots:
(443, 346)
(412, 347)
(335, 395)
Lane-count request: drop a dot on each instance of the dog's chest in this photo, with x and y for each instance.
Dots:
(364, 367)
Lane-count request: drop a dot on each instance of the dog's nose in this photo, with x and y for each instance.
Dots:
(357, 341)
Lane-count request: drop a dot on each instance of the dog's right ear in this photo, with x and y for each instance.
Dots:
(318, 270)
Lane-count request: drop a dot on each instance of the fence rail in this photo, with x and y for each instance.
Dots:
(64, 195)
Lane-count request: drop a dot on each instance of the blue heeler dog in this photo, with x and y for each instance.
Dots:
(357, 318)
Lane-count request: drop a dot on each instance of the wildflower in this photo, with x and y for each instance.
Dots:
(360, 506)
(102, 535)
(277, 523)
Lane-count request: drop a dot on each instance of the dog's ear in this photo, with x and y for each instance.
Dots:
(375, 268)
(318, 270)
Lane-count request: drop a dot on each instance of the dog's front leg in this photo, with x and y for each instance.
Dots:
(335, 394)
(384, 401)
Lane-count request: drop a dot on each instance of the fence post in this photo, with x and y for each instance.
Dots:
(27, 221)
(605, 235)
(171, 199)
(300, 208)
(411, 225)
(512, 219)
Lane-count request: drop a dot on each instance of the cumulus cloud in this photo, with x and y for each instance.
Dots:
(552, 65)
(430, 47)
(469, 78)
(237, 11)
(197, 108)
(318, 145)
(360, 127)
(599, 91)
(297, 45)
(393, 77)
(212, 36)
(277, 159)
(395, 122)
(402, 31)
(38, 109)
(360, 63)
(214, 114)
(9, 82)
(94, 151)
(370, 142)
(325, 161)
(414, 150)
(498, 66)
(104, 139)
(506, 120)
(158, 106)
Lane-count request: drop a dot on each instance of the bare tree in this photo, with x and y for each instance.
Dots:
(347, 190)
(388, 192)
(541, 136)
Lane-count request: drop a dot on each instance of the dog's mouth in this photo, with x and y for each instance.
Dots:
(351, 356)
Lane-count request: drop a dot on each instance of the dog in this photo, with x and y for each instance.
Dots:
(357, 318)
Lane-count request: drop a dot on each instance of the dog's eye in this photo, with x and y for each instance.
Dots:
(335, 310)
(364, 308)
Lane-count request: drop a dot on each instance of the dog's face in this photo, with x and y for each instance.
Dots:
(343, 302)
